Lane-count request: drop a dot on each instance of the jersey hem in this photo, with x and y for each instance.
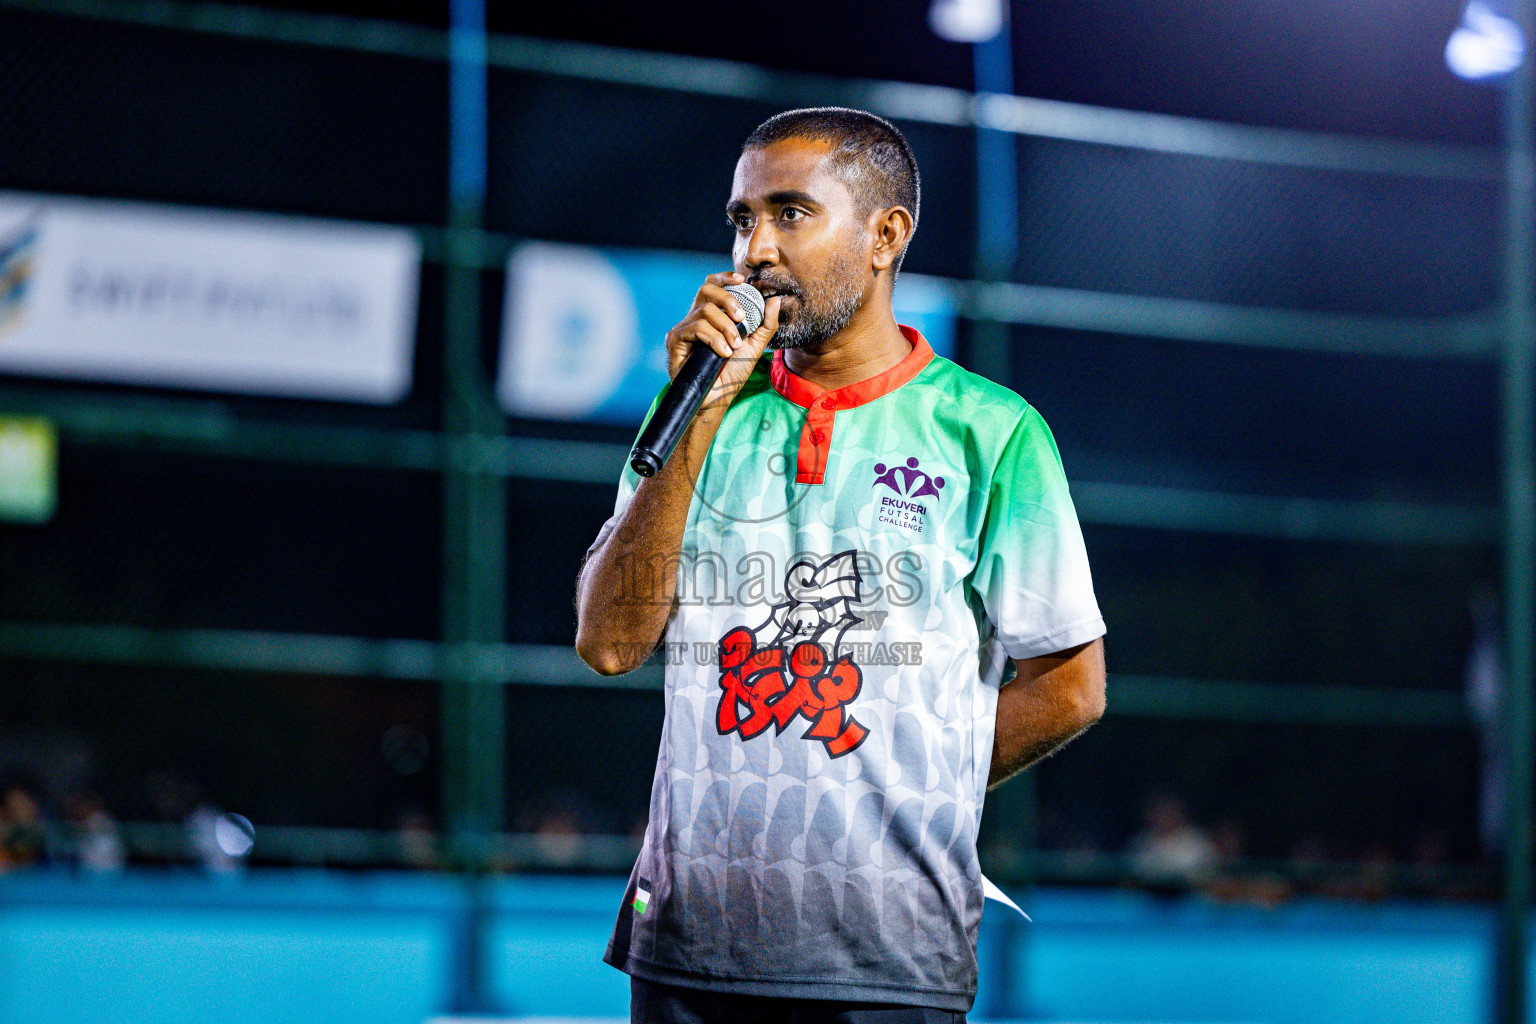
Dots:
(646, 970)
(1079, 632)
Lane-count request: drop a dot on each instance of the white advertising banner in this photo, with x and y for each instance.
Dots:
(177, 297)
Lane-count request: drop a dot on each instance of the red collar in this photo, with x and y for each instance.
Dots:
(806, 394)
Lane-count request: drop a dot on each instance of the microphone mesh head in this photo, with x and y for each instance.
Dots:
(751, 305)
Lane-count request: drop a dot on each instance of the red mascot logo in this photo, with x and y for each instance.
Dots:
(794, 673)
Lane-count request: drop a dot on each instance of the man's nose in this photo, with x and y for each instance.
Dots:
(762, 246)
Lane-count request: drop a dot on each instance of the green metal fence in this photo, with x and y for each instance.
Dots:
(473, 454)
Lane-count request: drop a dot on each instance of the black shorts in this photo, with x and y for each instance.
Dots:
(652, 1002)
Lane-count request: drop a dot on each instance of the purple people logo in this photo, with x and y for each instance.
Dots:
(904, 508)
(908, 481)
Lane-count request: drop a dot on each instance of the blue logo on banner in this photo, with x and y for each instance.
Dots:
(17, 255)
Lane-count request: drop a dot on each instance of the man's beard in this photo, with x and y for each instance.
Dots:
(819, 315)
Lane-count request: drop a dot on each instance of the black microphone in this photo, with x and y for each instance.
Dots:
(686, 393)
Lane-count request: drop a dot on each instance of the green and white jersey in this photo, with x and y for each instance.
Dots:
(857, 567)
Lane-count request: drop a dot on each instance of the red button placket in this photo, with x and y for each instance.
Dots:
(821, 406)
(815, 442)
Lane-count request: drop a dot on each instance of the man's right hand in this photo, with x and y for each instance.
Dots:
(712, 321)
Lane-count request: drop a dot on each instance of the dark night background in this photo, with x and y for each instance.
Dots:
(1375, 67)
(181, 540)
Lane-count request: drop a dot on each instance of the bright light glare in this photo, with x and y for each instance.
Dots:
(1487, 44)
(966, 21)
(235, 834)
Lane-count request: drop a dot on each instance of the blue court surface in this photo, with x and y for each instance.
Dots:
(319, 947)
(625, 1020)
(971, 1019)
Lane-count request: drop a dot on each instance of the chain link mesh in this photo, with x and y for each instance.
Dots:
(1104, 218)
(167, 540)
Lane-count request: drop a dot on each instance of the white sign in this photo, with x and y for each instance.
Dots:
(177, 297)
(571, 332)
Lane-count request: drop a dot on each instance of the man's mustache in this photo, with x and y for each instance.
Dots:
(774, 285)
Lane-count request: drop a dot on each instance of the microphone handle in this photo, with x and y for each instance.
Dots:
(677, 409)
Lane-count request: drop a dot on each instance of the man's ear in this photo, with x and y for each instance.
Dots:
(892, 229)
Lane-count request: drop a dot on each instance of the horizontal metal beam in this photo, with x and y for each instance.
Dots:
(221, 649)
(316, 845)
(503, 664)
(1471, 336)
(1284, 703)
(902, 100)
(1467, 336)
(616, 853)
(1190, 136)
(208, 427)
(497, 664)
(387, 38)
(1372, 522)
(1275, 877)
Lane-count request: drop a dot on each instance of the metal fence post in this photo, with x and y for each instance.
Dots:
(1519, 530)
(474, 517)
(997, 203)
(1012, 805)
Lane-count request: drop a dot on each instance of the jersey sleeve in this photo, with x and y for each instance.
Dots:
(1032, 567)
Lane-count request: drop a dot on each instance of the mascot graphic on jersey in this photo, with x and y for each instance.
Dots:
(791, 664)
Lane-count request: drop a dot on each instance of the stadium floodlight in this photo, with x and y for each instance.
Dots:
(966, 21)
(1487, 44)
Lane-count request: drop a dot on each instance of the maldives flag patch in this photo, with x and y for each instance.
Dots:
(642, 895)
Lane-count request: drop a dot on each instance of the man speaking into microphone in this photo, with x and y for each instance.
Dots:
(852, 547)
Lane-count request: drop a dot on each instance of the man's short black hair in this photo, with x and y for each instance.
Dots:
(869, 155)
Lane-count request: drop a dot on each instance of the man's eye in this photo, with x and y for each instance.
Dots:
(792, 213)
(740, 222)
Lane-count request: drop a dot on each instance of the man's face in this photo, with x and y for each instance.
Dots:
(799, 234)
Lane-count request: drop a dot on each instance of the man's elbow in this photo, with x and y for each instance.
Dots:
(603, 665)
(1089, 703)
(601, 653)
(1089, 699)
(602, 657)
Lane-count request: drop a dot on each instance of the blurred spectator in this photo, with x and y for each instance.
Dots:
(222, 840)
(1429, 873)
(1072, 835)
(1230, 841)
(417, 840)
(1236, 882)
(559, 838)
(1372, 879)
(23, 831)
(1307, 862)
(98, 847)
(559, 821)
(1484, 683)
(1171, 853)
(219, 841)
(1314, 871)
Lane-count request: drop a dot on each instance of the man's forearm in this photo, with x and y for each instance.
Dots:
(1005, 765)
(1051, 700)
(625, 590)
